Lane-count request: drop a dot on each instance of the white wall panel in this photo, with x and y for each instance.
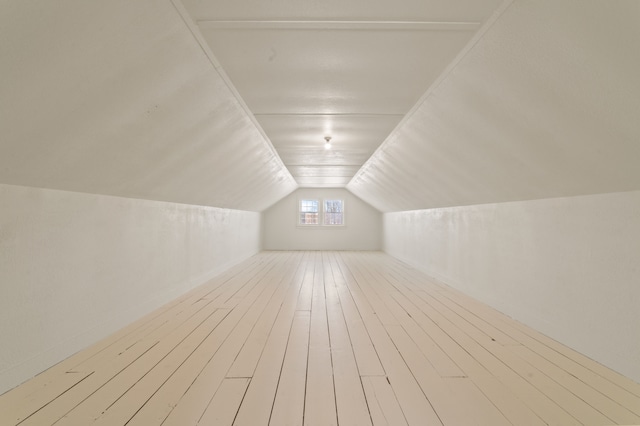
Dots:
(76, 267)
(566, 266)
(362, 229)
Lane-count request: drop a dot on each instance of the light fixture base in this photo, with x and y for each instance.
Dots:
(327, 143)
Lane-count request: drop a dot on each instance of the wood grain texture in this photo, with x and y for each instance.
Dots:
(343, 338)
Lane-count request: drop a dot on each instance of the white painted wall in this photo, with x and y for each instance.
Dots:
(362, 231)
(568, 267)
(75, 267)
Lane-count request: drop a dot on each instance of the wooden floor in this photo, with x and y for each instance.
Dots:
(324, 338)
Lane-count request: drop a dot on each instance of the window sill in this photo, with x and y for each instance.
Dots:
(323, 227)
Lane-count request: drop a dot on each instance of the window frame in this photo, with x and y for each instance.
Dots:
(324, 212)
(321, 213)
(300, 212)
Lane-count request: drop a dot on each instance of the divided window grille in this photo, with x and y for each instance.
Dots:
(320, 213)
(333, 212)
(309, 212)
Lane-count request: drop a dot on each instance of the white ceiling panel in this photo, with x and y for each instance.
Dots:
(119, 98)
(126, 98)
(323, 182)
(350, 70)
(321, 157)
(300, 141)
(370, 10)
(545, 104)
(323, 171)
(344, 71)
(308, 131)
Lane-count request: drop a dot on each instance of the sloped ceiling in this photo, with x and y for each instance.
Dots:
(544, 103)
(118, 98)
(125, 98)
(345, 69)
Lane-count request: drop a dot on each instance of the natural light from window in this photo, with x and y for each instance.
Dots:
(333, 212)
(309, 212)
(314, 213)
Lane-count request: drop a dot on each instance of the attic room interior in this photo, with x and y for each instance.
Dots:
(419, 212)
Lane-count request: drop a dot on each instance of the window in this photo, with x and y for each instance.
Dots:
(311, 214)
(333, 212)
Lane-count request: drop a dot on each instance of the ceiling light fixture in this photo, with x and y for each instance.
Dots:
(327, 142)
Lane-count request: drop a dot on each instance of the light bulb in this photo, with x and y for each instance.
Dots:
(327, 143)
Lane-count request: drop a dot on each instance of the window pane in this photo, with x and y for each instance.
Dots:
(309, 213)
(310, 206)
(333, 212)
(308, 218)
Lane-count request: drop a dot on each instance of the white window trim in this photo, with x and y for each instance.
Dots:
(324, 212)
(309, 225)
(321, 213)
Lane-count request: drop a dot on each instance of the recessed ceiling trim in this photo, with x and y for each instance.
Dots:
(327, 114)
(321, 165)
(339, 25)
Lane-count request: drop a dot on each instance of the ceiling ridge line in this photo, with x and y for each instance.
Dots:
(213, 60)
(339, 25)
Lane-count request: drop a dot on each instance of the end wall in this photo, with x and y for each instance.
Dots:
(76, 267)
(568, 267)
(362, 230)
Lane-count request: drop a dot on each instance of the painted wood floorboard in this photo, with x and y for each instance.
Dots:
(324, 338)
